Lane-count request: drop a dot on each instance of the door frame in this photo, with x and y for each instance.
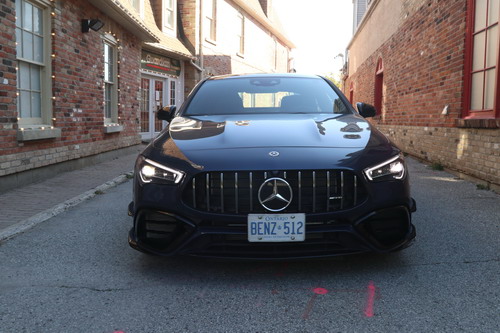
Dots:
(154, 104)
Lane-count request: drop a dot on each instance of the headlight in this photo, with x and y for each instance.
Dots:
(391, 169)
(150, 171)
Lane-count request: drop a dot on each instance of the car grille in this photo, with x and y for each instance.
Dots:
(314, 191)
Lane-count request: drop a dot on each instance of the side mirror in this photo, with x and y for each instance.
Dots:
(166, 113)
(366, 110)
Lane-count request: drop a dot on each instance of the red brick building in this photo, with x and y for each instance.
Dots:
(80, 81)
(431, 69)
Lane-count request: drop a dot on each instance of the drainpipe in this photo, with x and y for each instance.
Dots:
(196, 66)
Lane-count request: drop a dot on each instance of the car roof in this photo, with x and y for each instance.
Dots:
(260, 75)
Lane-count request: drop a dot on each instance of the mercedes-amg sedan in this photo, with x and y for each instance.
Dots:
(270, 166)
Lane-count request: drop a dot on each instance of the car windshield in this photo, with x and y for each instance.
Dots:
(265, 95)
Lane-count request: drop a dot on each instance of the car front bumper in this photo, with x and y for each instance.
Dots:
(163, 233)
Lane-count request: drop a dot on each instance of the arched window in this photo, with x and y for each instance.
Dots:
(379, 85)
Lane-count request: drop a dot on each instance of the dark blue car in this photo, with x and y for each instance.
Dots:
(270, 166)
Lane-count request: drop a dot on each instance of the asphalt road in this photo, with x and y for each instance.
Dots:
(76, 273)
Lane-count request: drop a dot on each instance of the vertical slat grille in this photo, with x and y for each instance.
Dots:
(328, 191)
(194, 192)
(314, 191)
(207, 194)
(222, 192)
(250, 194)
(300, 190)
(342, 189)
(236, 191)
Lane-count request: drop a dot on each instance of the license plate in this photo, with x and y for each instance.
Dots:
(276, 227)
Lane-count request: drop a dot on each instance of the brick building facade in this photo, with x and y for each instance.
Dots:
(430, 68)
(73, 91)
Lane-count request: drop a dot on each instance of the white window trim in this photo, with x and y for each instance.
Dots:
(211, 29)
(241, 35)
(45, 122)
(170, 31)
(275, 60)
(111, 124)
(141, 8)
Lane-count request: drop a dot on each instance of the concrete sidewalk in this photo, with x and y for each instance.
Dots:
(24, 207)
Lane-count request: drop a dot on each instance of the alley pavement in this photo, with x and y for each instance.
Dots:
(22, 208)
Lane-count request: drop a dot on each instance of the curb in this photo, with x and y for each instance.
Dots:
(30, 222)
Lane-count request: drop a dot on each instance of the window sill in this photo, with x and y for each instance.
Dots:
(478, 123)
(112, 128)
(211, 41)
(38, 133)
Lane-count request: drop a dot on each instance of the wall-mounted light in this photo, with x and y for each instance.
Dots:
(94, 24)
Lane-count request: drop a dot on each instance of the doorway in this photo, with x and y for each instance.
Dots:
(155, 93)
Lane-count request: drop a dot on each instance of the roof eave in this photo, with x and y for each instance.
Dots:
(167, 52)
(113, 9)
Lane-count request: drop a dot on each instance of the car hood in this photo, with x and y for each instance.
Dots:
(298, 141)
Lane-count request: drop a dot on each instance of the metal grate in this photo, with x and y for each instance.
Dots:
(314, 191)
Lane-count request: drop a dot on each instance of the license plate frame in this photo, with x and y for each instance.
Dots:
(273, 228)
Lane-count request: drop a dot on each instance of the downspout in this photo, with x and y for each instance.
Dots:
(196, 66)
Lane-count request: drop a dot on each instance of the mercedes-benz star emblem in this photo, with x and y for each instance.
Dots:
(274, 153)
(275, 194)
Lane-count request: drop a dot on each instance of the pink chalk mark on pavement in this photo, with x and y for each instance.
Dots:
(320, 291)
(310, 304)
(370, 300)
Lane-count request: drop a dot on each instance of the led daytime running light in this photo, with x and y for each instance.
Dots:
(148, 171)
(393, 167)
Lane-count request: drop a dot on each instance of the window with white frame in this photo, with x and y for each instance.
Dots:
(275, 60)
(210, 9)
(172, 92)
(169, 17)
(110, 81)
(138, 6)
(34, 101)
(241, 33)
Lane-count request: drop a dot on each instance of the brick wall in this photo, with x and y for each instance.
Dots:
(8, 77)
(423, 73)
(474, 152)
(77, 87)
(190, 20)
